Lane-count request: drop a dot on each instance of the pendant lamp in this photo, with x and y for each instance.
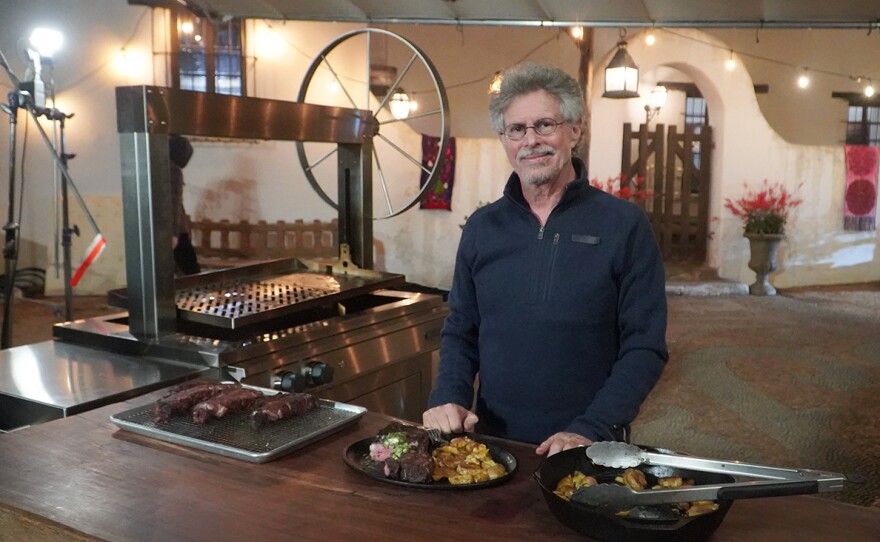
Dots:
(621, 74)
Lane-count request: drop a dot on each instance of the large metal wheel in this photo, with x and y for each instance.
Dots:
(392, 64)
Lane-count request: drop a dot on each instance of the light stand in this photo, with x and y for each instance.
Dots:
(10, 245)
(66, 230)
(22, 98)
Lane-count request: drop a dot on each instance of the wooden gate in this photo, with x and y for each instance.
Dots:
(676, 171)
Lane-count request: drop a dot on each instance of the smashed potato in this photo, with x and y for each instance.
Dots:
(633, 479)
(572, 483)
(464, 461)
(636, 480)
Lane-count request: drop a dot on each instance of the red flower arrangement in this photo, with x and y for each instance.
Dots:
(764, 211)
(633, 190)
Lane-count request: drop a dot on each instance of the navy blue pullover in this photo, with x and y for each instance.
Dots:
(565, 325)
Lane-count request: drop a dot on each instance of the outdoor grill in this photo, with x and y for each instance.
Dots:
(336, 328)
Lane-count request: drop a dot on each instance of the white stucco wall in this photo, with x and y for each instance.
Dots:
(747, 150)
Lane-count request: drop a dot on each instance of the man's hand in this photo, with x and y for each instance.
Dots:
(560, 442)
(450, 418)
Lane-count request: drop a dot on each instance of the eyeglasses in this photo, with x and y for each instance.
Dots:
(544, 127)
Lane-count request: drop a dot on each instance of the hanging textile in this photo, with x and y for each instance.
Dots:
(438, 196)
(860, 198)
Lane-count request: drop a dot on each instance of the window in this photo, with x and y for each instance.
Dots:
(863, 125)
(695, 111)
(862, 118)
(696, 115)
(207, 56)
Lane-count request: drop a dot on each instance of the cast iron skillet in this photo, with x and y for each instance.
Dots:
(654, 523)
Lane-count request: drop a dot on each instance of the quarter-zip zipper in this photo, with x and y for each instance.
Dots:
(551, 264)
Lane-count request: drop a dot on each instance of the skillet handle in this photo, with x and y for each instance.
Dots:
(781, 489)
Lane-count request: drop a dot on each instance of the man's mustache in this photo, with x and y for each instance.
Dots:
(545, 149)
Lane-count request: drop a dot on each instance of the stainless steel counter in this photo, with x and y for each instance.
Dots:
(52, 379)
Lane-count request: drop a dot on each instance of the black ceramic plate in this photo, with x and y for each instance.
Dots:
(356, 454)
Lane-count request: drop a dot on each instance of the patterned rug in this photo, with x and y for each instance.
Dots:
(791, 380)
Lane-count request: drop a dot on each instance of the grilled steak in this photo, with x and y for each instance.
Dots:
(281, 407)
(183, 400)
(416, 466)
(188, 384)
(231, 400)
(401, 452)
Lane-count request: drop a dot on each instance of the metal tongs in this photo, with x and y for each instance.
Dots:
(771, 481)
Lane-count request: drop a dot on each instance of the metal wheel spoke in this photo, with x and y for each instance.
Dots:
(321, 159)
(368, 50)
(338, 80)
(411, 117)
(405, 154)
(393, 86)
(384, 184)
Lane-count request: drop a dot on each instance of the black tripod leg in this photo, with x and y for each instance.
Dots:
(10, 247)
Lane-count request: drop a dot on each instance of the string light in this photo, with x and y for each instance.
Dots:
(650, 39)
(804, 80)
(731, 63)
(495, 85)
(804, 77)
(577, 32)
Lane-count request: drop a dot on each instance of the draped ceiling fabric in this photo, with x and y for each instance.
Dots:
(860, 198)
(440, 195)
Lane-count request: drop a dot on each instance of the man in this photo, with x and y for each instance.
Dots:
(180, 150)
(558, 300)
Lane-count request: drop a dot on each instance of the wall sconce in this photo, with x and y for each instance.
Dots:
(621, 74)
(399, 104)
(655, 102)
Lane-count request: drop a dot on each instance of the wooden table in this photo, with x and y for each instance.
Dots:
(81, 478)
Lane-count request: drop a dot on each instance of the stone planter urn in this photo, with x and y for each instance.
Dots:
(763, 247)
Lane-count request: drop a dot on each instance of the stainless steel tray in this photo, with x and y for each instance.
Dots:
(233, 436)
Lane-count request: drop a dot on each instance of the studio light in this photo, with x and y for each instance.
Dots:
(46, 41)
(621, 74)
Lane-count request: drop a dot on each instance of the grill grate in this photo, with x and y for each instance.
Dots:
(236, 301)
(233, 436)
(241, 298)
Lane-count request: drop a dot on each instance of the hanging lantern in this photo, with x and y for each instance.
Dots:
(621, 74)
(399, 104)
